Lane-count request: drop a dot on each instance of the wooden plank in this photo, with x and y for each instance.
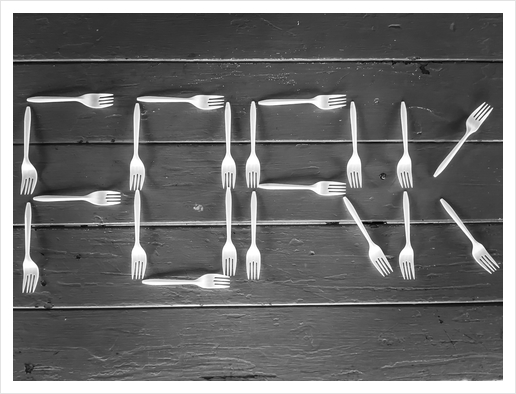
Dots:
(454, 342)
(439, 99)
(198, 37)
(300, 265)
(183, 182)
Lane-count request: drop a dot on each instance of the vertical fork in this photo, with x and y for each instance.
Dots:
(138, 255)
(29, 173)
(354, 167)
(229, 254)
(228, 168)
(30, 269)
(252, 167)
(137, 169)
(406, 259)
(253, 259)
(405, 163)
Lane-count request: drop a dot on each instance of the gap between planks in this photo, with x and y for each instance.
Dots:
(217, 223)
(268, 305)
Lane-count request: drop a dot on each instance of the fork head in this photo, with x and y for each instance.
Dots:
(325, 188)
(207, 102)
(30, 275)
(97, 100)
(252, 171)
(406, 262)
(253, 263)
(229, 258)
(138, 262)
(379, 260)
(228, 172)
(105, 197)
(478, 117)
(404, 171)
(332, 101)
(136, 173)
(214, 281)
(354, 170)
(482, 257)
(29, 177)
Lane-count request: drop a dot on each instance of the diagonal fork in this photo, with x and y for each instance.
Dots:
(136, 169)
(473, 123)
(29, 173)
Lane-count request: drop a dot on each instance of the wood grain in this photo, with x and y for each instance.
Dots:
(438, 100)
(90, 267)
(183, 182)
(453, 342)
(196, 37)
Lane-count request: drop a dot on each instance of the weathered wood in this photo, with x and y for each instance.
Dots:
(439, 99)
(300, 264)
(183, 182)
(257, 36)
(451, 342)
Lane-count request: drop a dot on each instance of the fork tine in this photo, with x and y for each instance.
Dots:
(484, 117)
(375, 263)
(476, 111)
(490, 258)
(336, 96)
(33, 185)
(105, 95)
(480, 113)
(402, 269)
(488, 263)
(483, 265)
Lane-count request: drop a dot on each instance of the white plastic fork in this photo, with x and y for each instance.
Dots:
(322, 188)
(101, 197)
(29, 173)
(354, 168)
(252, 166)
(208, 281)
(138, 255)
(332, 101)
(201, 101)
(92, 100)
(228, 167)
(376, 254)
(136, 169)
(406, 259)
(473, 123)
(30, 269)
(229, 254)
(479, 252)
(253, 258)
(405, 163)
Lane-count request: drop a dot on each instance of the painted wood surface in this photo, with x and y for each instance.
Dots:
(451, 342)
(197, 37)
(88, 267)
(439, 99)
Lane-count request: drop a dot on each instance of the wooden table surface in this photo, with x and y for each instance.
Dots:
(320, 310)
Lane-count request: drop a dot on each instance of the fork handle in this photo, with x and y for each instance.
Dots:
(162, 99)
(406, 216)
(227, 126)
(137, 204)
(168, 282)
(253, 218)
(229, 203)
(51, 99)
(404, 127)
(271, 102)
(253, 126)
(283, 186)
(26, 132)
(58, 198)
(450, 156)
(136, 127)
(355, 216)
(353, 119)
(28, 221)
(457, 220)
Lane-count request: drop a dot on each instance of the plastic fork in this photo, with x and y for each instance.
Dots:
(405, 163)
(229, 254)
(332, 101)
(30, 269)
(206, 102)
(253, 258)
(479, 252)
(252, 166)
(92, 100)
(376, 254)
(208, 281)
(29, 173)
(322, 188)
(406, 259)
(228, 167)
(473, 123)
(138, 255)
(354, 167)
(136, 169)
(102, 197)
